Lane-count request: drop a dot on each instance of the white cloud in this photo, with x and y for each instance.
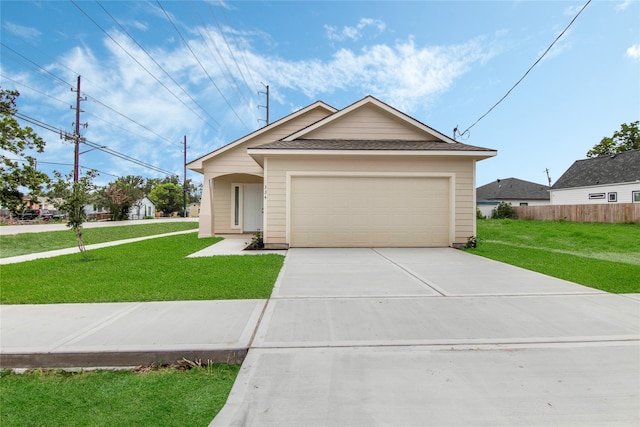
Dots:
(634, 52)
(623, 5)
(28, 33)
(354, 33)
(405, 75)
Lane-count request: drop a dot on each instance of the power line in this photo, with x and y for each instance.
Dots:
(530, 68)
(65, 164)
(159, 66)
(229, 48)
(38, 66)
(95, 99)
(200, 63)
(228, 75)
(94, 145)
(244, 60)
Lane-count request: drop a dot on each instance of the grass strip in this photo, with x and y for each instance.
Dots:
(614, 277)
(28, 243)
(577, 237)
(165, 397)
(151, 270)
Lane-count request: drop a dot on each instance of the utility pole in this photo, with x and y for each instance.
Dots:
(76, 138)
(184, 184)
(548, 177)
(266, 107)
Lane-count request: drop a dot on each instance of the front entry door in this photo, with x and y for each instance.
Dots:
(252, 202)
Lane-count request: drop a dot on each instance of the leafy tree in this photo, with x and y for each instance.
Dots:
(167, 197)
(71, 197)
(627, 138)
(152, 183)
(16, 141)
(120, 195)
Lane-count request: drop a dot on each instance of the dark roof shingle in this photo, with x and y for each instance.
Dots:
(610, 169)
(512, 189)
(359, 144)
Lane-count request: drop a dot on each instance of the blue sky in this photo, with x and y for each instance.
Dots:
(443, 62)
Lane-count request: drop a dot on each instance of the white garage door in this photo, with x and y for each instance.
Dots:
(369, 211)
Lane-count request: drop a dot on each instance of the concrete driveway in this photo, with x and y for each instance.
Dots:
(414, 337)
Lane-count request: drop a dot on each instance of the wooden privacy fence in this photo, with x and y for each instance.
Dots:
(612, 213)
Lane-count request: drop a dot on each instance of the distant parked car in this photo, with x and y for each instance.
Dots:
(31, 214)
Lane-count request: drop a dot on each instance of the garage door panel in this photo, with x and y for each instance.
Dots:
(369, 211)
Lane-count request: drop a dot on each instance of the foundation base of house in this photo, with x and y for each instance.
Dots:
(276, 246)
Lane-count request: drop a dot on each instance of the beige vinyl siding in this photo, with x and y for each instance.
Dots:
(222, 206)
(460, 168)
(230, 166)
(236, 160)
(369, 122)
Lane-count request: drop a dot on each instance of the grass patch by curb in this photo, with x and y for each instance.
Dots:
(29, 243)
(151, 270)
(164, 397)
(601, 256)
(608, 276)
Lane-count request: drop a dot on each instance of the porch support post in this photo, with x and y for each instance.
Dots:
(206, 208)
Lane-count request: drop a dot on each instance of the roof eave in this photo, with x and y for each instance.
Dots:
(197, 164)
(480, 154)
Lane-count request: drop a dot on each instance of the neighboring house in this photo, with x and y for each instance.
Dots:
(511, 190)
(141, 209)
(95, 210)
(364, 176)
(605, 179)
(194, 209)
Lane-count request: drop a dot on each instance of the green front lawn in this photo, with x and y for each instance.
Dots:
(29, 243)
(165, 397)
(601, 256)
(151, 270)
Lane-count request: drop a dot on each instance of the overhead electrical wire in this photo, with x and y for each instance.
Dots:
(528, 71)
(200, 63)
(222, 33)
(132, 57)
(94, 145)
(66, 164)
(33, 89)
(244, 59)
(161, 68)
(67, 103)
(95, 99)
(229, 75)
(38, 66)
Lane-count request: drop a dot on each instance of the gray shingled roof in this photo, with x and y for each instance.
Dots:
(512, 189)
(358, 144)
(610, 169)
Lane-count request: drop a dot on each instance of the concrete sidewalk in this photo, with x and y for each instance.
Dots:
(126, 334)
(414, 337)
(129, 334)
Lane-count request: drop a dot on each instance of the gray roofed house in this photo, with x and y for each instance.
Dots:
(604, 179)
(511, 190)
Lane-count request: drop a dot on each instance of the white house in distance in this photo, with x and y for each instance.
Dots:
(511, 190)
(142, 209)
(367, 175)
(606, 179)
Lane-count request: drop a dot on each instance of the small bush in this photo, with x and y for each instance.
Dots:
(257, 241)
(479, 214)
(472, 242)
(503, 210)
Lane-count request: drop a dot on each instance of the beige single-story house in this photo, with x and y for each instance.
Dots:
(367, 175)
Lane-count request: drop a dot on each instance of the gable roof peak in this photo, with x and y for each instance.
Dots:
(370, 100)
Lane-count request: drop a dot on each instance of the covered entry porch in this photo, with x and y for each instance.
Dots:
(235, 204)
